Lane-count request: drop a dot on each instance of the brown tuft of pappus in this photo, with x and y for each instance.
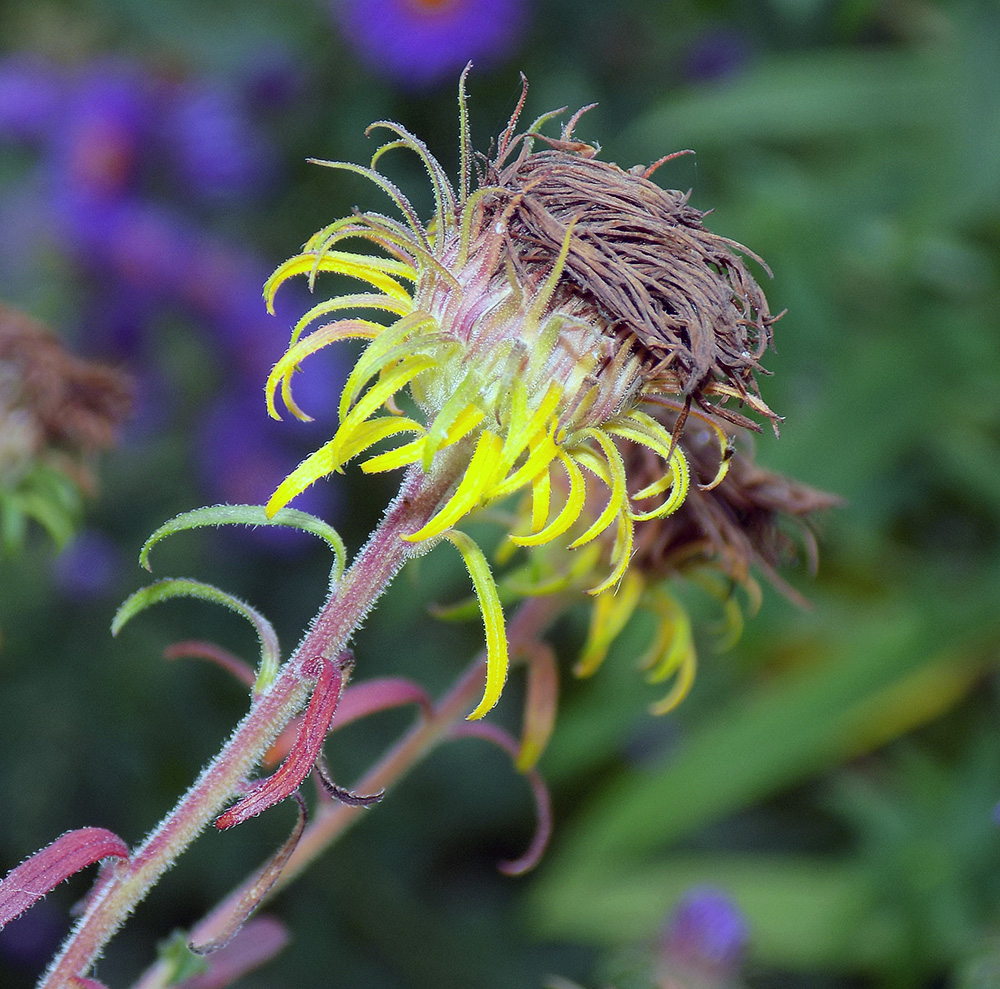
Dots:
(63, 407)
(753, 519)
(641, 258)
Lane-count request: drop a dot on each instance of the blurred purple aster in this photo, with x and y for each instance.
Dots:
(30, 93)
(717, 54)
(706, 934)
(89, 567)
(103, 133)
(420, 42)
(218, 151)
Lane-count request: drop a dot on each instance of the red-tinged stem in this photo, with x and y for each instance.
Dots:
(333, 819)
(342, 613)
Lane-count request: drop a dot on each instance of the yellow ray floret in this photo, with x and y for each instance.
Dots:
(672, 651)
(492, 612)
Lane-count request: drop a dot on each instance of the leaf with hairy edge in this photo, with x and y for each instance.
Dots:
(42, 872)
(252, 515)
(304, 752)
(178, 587)
(223, 924)
(253, 945)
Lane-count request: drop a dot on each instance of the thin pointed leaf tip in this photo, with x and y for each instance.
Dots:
(531, 321)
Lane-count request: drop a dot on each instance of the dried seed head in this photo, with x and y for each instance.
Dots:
(641, 259)
(531, 321)
(60, 405)
(753, 519)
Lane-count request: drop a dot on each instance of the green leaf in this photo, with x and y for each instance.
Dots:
(252, 515)
(811, 718)
(804, 912)
(164, 590)
(818, 96)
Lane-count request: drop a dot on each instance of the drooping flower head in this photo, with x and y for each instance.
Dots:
(532, 321)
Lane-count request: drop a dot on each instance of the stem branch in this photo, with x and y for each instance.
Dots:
(370, 574)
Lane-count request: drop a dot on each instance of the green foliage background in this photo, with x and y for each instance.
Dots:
(836, 771)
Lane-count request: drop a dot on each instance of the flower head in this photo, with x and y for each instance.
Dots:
(532, 323)
(421, 42)
(56, 412)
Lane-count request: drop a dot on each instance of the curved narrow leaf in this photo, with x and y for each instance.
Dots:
(252, 515)
(543, 801)
(224, 925)
(380, 694)
(164, 590)
(304, 752)
(42, 872)
(252, 946)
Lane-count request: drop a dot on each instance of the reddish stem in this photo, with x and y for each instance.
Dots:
(374, 568)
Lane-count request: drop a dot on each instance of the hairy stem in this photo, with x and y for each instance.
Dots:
(370, 574)
(333, 819)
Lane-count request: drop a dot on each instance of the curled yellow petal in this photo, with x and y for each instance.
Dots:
(363, 300)
(389, 347)
(609, 615)
(567, 515)
(387, 386)
(347, 329)
(541, 494)
(681, 688)
(492, 612)
(621, 553)
(402, 456)
(368, 268)
(469, 492)
(372, 431)
(616, 501)
(318, 464)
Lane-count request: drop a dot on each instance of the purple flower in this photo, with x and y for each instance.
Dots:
(706, 934)
(143, 246)
(217, 150)
(717, 54)
(420, 42)
(30, 90)
(89, 567)
(104, 131)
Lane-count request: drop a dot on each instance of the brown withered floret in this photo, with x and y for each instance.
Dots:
(753, 519)
(73, 406)
(641, 256)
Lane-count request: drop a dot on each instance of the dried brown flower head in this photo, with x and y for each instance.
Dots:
(753, 519)
(641, 258)
(61, 407)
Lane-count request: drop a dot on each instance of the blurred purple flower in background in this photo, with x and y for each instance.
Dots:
(217, 150)
(705, 938)
(91, 566)
(717, 54)
(29, 96)
(121, 153)
(421, 42)
(101, 136)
